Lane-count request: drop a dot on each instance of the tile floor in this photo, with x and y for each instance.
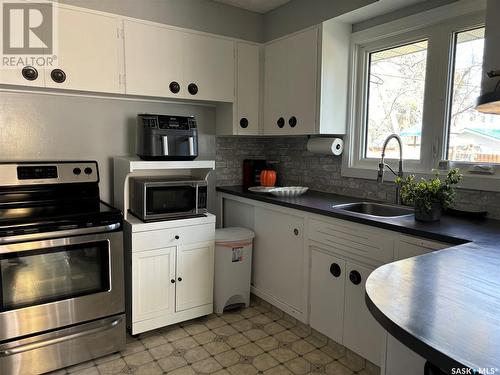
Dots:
(257, 340)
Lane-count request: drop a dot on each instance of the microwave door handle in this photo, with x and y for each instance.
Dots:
(191, 146)
(165, 145)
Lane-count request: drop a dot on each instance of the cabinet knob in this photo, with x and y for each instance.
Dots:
(29, 73)
(58, 75)
(193, 89)
(244, 123)
(176, 237)
(296, 231)
(179, 279)
(355, 277)
(335, 270)
(174, 87)
(280, 122)
(292, 122)
(172, 281)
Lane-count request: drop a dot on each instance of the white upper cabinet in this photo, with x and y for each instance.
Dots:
(275, 87)
(208, 64)
(165, 62)
(305, 86)
(89, 52)
(247, 88)
(153, 60)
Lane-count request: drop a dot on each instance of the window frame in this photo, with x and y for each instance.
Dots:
(439, 27)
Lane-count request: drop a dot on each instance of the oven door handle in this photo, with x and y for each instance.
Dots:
(42, 343)
(59, 233)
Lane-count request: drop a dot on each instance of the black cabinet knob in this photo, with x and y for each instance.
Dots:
(244, 123)
(292, 121)
(172, 281)
(29, 73)
(176, 237)
(58, 75)
(296, 231)
(335, 270)
(355, 277)
(193, 89)
(175, 87)
(179, 279)
(280, 122)
(77, 171)
(88, 170)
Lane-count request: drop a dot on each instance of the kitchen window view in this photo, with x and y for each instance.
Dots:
(396, 99)
(472, 136)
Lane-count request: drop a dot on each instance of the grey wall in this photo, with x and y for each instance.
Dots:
(403, 12)
(299, 14)
(297, 166)
(201, 15)
(54, 127)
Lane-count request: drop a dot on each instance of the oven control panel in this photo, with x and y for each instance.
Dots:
(38, 173)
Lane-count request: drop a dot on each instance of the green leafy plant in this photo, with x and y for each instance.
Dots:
(426, 192)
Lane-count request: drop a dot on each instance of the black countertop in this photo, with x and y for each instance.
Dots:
(444, 305)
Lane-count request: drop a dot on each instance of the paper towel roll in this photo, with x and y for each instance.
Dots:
(326, 146)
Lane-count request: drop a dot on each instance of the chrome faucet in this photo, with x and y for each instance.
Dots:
(382, 164)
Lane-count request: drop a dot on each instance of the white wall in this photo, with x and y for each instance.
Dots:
(54, 127)
(201, 15)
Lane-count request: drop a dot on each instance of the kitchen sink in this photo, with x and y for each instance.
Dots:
(375, 209)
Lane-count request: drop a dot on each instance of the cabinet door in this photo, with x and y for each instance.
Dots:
(248, 89)
(275, 87)
(88, 52)
(278, 259)
(413, 246)
(327, 294)
(301, 89)
(362, 333)
(195, 275)
(153, 292)
(402, 360)
(153, 60)
(208, 63)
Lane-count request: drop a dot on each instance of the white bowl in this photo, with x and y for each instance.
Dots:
(289, 191)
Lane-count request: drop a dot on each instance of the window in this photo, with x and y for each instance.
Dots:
(395, 99)
(420, 78)
(472, 136)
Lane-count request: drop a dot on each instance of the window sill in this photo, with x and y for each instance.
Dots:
(470, 181)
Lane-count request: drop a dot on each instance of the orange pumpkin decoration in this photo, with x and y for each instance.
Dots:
(268, 178)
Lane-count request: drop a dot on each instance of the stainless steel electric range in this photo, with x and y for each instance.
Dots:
(61, 268)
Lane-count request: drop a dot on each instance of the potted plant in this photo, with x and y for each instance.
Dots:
(429, 197)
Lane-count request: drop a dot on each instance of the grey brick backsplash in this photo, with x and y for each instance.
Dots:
(296, 166)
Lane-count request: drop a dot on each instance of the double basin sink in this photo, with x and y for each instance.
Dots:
(372, 209)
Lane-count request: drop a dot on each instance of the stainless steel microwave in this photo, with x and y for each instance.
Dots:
(166, 198)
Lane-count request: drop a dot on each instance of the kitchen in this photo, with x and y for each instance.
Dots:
(303, 87)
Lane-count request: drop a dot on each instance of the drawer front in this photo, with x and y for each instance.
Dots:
(355, 239)
(156, 239)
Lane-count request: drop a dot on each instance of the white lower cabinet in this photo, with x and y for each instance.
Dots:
(327, 294)
(153, 292)
(402, 360)
(339, 256)
(171, 283)
(195, 276)
(279, 261)
(362, 333)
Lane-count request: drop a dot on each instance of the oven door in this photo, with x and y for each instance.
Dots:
(172, 200)
(55, 283)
